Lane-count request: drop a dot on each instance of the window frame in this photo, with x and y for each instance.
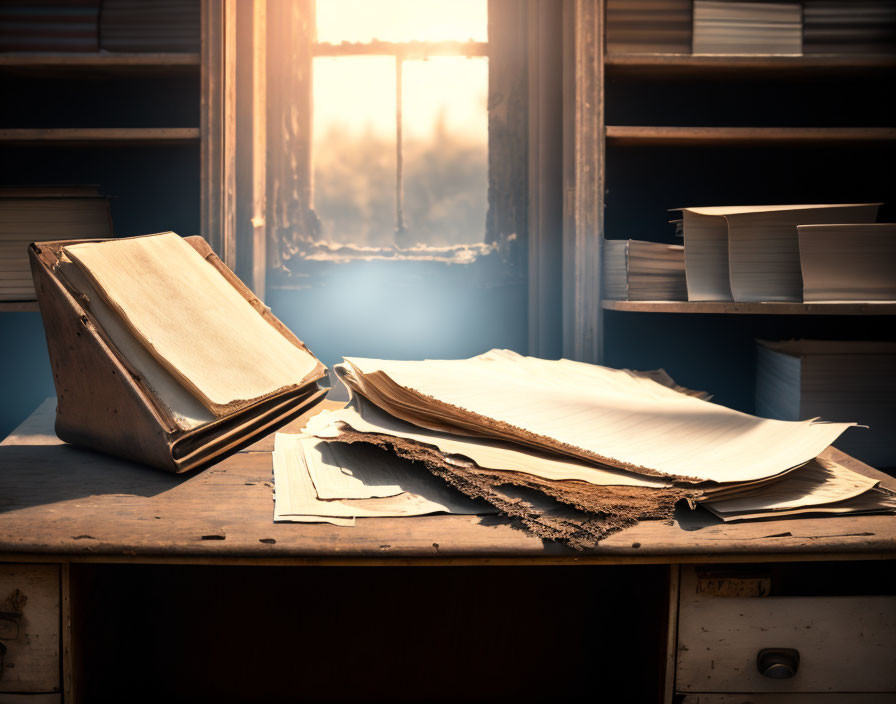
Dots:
(560, 211)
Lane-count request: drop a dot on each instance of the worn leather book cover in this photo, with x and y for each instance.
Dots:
(108, 399)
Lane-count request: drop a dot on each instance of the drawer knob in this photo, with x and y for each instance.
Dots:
(778, 663)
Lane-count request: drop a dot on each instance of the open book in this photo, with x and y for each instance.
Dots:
(160, 354)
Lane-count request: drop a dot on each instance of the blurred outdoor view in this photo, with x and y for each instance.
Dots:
(444, 126)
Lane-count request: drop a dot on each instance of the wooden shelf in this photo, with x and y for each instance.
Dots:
(625, 135)
(18, 306)
(771, 308)
(690, 64)
(99, 63)
(98, 136)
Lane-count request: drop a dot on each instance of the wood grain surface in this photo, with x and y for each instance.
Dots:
(666, 136)
(56, 500)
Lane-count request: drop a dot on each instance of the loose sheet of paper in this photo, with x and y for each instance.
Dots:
(296, 494)
(192, 320)
(363, 417)
(596, 415)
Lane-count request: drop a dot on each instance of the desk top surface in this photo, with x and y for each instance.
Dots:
(57, 501)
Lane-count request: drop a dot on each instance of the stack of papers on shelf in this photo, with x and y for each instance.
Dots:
(643, 271)
(849, 26)
(649, 26)
(30, 213)
(798, 379)
(848, 262)
(577, 451)
(752, 253)
(726, 27)
(161, 25)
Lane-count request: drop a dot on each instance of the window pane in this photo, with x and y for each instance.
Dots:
(445, 123)
(401, 20)
(354, 149)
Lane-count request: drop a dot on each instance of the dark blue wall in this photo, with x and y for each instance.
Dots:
(25, 378)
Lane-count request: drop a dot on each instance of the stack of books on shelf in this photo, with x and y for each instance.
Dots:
(62, 26)
(759, 253)
(574, 452)
(856, 27)
(651, 26)
(803, 379)
(161, 25)
(751, 27)
(28, 214)
(49, 26)
(722, 27)
(643, 271)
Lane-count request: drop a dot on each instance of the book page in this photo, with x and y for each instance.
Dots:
(598, 415)
(185, 409)
(192, 320)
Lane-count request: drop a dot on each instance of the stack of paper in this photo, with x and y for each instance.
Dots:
(726, 27)
(643, 271)
(578, 451)
(833, 379)
(752, 253)
(28, 214)
(161, 25)
(848, 262)
(849, 26)
(649, 26)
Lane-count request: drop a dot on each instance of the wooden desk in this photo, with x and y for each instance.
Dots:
(72, 508)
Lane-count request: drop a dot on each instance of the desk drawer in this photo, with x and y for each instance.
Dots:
(845, 644)
(29, 628)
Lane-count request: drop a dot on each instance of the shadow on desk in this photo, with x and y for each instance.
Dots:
(37, 475)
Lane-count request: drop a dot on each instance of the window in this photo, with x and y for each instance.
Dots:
(397, 189)
(400, 129)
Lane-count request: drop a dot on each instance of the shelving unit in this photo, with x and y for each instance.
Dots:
(104, 61)
(687, 130)
(770, 308)
(127, 122)
(665, 64)
(18, 306)
(98, 136)
(637, 135)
